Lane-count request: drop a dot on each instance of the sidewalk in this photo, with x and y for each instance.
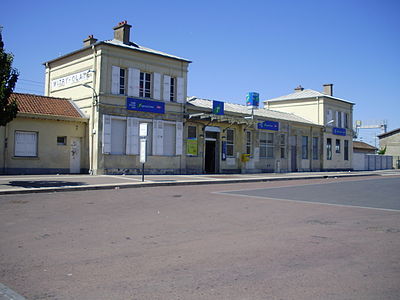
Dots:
(22, 184)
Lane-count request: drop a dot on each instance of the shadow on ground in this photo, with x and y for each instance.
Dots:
(44, 183)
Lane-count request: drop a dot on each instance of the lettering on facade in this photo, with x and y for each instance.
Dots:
(339, 131)
(145, 105)
(70, 79)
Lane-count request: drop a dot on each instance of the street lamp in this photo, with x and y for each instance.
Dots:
(95, 100)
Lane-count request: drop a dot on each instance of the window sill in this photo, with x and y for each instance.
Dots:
(26, 157)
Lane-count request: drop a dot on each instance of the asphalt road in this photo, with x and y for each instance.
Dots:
(197, 242)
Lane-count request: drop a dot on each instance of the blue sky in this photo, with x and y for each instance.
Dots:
(236, 46)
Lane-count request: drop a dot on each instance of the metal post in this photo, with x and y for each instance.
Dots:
(142, 172)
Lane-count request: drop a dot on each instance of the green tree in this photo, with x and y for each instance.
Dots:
(8, 79)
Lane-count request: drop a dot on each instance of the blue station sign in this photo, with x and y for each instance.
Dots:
(145, 105)
(339, 131)
(268, 125)
(218, 108)
(253, 99)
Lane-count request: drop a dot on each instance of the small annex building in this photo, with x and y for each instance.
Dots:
(48, 136)
(391, 142)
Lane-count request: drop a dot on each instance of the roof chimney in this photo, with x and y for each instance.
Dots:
(299, 89)
(122, 32)
(90, 40)
(328, 89)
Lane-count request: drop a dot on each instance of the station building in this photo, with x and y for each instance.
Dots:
(119, 85)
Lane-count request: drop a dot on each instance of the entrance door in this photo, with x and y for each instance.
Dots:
(75, 156)
(293, 153)
(209, 166)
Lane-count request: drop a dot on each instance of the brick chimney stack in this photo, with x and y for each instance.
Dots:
(328, 89)
(90, 40)
(122, 32)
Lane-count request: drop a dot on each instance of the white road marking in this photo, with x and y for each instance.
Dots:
(308, 202)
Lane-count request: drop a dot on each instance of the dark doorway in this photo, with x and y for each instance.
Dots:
(209, 158)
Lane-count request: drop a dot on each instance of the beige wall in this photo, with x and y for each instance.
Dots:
(52, 158)
(392, 144)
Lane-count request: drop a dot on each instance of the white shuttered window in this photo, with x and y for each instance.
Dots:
(115, 76)
(169, 139)
(118, 136)
(26, 143)
(132, 136)
(180, 90)
(133, 82)
(157, 86)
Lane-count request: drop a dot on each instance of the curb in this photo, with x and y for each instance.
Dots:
(171, 183)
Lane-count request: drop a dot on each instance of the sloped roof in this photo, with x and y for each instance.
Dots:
(386, 134)
(117, 43)
(306, 93)
(137, 47)
(362, 145)
(37, 104)
(242, 109)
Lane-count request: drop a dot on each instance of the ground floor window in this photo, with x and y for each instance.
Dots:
(230, 141)
(26, 144)
(121, 136)
(346, 150)
(304, 147)
(283, 145)
(329, 149)
(315, 148)
(337, 148)
(248, 142)
(266, 145)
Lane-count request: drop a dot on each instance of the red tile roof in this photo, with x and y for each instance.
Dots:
(36, 104)
(362, 145)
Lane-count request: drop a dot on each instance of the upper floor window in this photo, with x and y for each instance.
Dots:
(145, 85)
(122, 80)
(172, 89)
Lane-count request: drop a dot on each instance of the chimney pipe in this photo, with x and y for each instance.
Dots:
(90, 40)
(122, 32)
(328, 89)
(299, 89)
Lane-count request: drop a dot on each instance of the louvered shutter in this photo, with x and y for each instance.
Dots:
(106, 134)
(337, 118)
(157, 86)
(166, 88)
(132, 137)
(160, 138)
(179, 90)
(115, 80)
(343, 120)
(133, 82)
(156, 139)
(179, 138)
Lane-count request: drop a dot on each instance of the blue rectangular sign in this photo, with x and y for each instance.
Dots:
(145, 105)
(268, 125)
(253, 99)
(218, 108)
(339, 131)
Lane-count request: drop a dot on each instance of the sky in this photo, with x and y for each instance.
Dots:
(236, 47)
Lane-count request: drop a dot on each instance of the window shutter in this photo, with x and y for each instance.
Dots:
(343, 120)
(157, 86)
(337, 119)
(158, 137)
(133, 82)
(179, 90)
(166, 87)
(106, 134)
(25, 144)
(179, 137)
(132, 136)
(115, 80)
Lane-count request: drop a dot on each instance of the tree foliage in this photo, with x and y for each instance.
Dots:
(8, 79)
(382, 151)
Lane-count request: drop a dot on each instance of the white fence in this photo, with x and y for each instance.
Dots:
(371, 162)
